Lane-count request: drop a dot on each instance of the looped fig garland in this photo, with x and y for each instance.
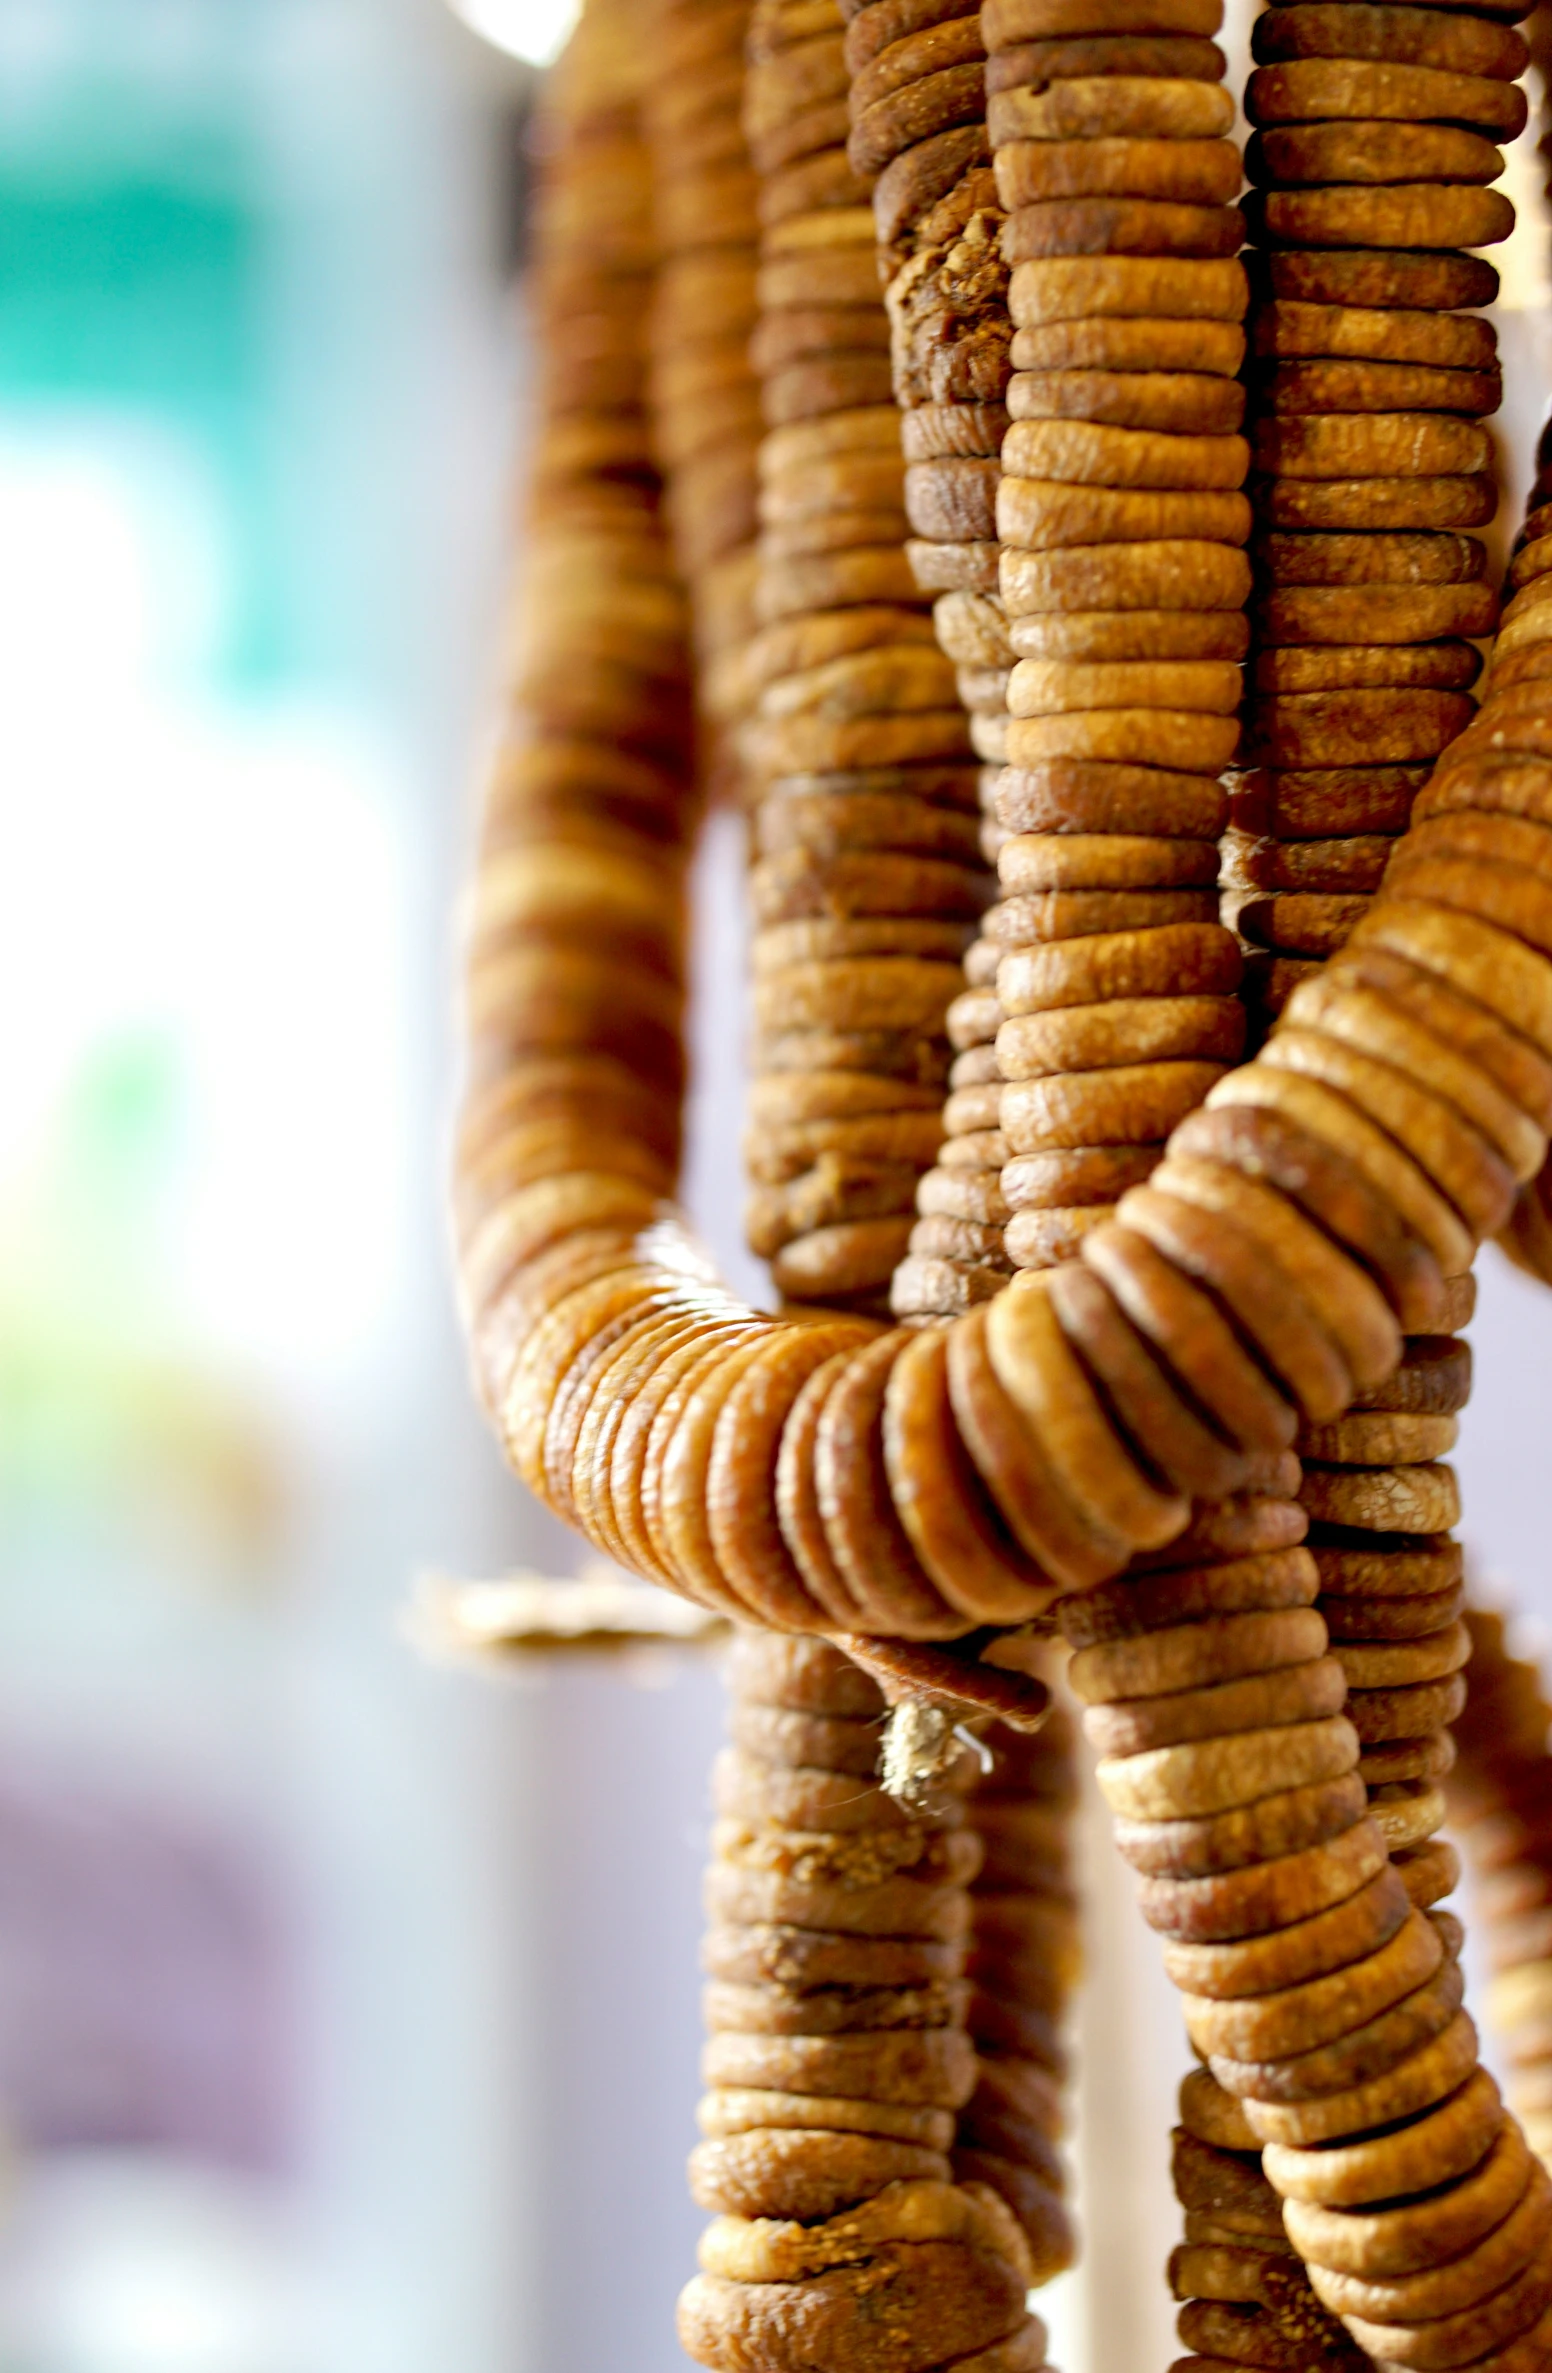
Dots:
(1091, 560)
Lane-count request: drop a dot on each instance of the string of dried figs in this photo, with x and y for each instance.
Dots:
(1347, 384)
(1326, 2004)
(876, 2181)
(1007, 2125)
(1082, 104)
(1383, 1503)
(918, 133)
(868, 875)
(1229, 1598)
(1528, 1237)
(1376, 138)
(1389, 1575)
(1500, 1797)
(1197, 2269)
(1365, 594)
(918, 109)
(989, 1446)
(570, 1282)
(1380, 1500)
(1123, 583)
(1246, 2298)
(867, 882)
(1502, 1731)
(1317, 2047)
(1067, 823)
(575, 974)
(1024, 1967)
(1424, 934)
(705, 407)
(1390, 1597)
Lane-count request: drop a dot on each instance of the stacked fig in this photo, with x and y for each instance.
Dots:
(867, 876)
(1376, 140)
(838, 2057)
(1500, 1796)
(1123, 581)
(919, 124)
(704, 397)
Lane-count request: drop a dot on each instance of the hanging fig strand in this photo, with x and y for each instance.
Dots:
(1133, 1279)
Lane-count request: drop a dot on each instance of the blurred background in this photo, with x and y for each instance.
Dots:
(347, 2002)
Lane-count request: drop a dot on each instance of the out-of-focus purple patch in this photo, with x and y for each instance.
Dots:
(147, 1978)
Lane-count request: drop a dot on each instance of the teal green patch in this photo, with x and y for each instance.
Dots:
(131, 289)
